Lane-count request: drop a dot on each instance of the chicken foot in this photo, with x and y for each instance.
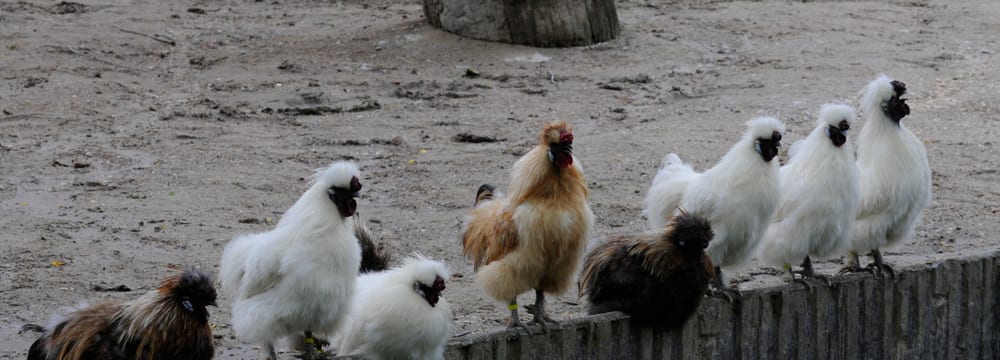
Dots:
(271, 354)
(515, 321)
(807, 273)
(538, 310)
(879, 266)
(853, 264)
(313, 349)
(720, 289)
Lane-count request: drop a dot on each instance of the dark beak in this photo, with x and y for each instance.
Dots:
(896, 108)
(344, 200)
(430, 293)
(561, 154)
(767, 149)
(836, 135)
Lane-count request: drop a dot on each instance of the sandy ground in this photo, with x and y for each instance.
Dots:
(136, 136)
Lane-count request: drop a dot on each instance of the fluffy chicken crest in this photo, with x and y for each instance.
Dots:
(877, 93)
(341, 174)
(424, 270)
(833, 114)
(763, 127)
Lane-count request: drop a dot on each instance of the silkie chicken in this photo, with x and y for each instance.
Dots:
(658, 277)
(399, 313)
(535, 237)
(737, 196)
(300, 276)
(895, 175)
(169, 323)
(819, 197)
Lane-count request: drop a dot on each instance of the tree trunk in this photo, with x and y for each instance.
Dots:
(542, 23)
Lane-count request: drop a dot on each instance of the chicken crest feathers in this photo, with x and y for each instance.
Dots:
(831, 114)
(339, 174)
(424, 269)
(876, 92)
(763, 127)
(555, 132)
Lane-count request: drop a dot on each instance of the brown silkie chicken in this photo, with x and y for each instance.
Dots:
(169, 323)
(534, 238)
(658, 277)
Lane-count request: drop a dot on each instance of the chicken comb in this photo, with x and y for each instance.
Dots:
(355, 184)
(557, 132)
(899, 87)
(565, 138)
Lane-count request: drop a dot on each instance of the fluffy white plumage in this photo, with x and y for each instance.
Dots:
(819, 196)
(301, 275)
(738, 195)
(391, 320)
(895, 174)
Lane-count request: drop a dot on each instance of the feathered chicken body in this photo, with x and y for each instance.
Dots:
(533, 238)
(169, 323)
(399, 313)
(895, 173)
(738, 195)
(819, 195)
(659, 277)
(300, 276)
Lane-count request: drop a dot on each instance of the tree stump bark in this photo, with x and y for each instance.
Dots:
(542, 23)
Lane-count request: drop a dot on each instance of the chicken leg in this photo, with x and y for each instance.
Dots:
(271, 354)
(879, 266)
(313, 347)
(720, 289)
(538, 310)
(853, 264)
(806, 273)
(515, 321)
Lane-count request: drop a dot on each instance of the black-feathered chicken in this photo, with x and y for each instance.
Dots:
(659, 277)
(169, 323)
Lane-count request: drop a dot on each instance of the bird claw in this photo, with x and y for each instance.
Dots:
(517, 325)
(879, 269)
(539, 316)
(803, 281)
(805, 276)
(850, 268)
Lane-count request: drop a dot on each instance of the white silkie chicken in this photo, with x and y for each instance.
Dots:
(819, 197)
(399, 313)
(300, 276)
(738, 195)
(895, 175)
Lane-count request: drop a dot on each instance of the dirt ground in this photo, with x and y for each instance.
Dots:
(139, 136)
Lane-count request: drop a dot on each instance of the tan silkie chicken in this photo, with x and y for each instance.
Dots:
(534, 238)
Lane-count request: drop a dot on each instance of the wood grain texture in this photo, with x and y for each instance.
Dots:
(541, 23)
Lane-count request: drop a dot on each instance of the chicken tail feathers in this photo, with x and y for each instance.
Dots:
(374, 258)
(671, 159)
(485, 193)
